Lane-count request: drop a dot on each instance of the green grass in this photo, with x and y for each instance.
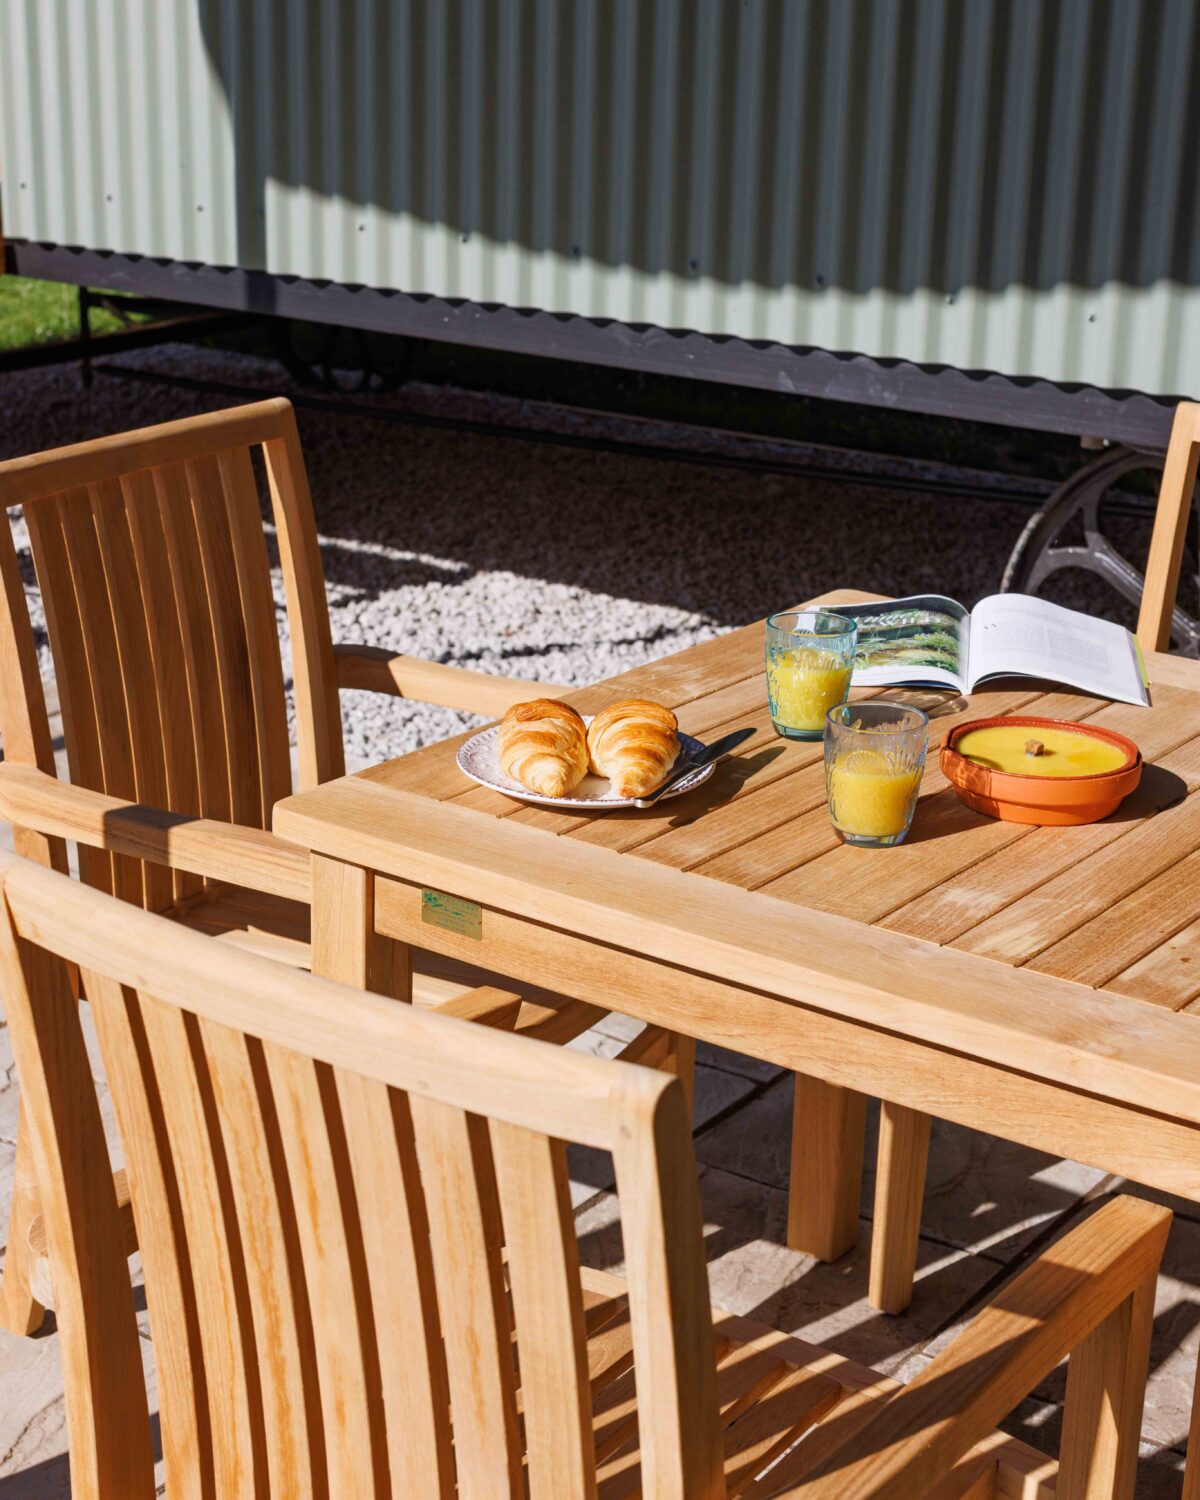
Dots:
(42, 312)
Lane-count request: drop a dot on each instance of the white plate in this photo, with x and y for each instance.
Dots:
(479, 760)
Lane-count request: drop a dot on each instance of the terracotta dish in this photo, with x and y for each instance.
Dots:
(1041, 798)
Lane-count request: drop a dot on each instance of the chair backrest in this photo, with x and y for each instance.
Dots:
(1171, 519)
(355, 1227)
(152, 563)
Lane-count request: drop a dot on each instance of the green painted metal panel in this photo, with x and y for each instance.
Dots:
(1007, 185)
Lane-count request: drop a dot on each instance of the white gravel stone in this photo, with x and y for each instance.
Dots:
(538, 560)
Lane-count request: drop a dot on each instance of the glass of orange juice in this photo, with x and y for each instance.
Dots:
(874, 759)
(810, 657)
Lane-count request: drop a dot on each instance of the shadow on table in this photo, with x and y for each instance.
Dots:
(726, 781)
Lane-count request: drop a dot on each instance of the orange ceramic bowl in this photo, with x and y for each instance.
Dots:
(1057, 800)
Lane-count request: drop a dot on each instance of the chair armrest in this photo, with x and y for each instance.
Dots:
(485, 1006)
(203, 846)
(378, 670)
(902, 1442)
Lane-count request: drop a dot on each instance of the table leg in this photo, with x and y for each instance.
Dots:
(899, 1193)
(345, 944)
(827, 1156)
(681, 1060)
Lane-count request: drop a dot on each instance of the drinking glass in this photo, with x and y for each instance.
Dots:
(810, 656)
(874, 757)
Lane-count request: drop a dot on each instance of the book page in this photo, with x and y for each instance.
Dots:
(920, 641)
(1016, 634)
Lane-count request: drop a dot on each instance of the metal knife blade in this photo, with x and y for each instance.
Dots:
(703, 757)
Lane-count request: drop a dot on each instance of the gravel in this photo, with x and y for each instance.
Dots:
(532, 559)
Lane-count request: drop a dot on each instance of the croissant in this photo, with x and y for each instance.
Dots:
(543, 745)
(634, 744)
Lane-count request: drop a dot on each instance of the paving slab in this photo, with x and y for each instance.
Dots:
(717, 1091)
(982, 1194)
(753, 1273)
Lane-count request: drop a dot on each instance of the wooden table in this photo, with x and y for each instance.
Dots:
(1039, 984)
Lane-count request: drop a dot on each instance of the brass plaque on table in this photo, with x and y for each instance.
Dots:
(462, 917)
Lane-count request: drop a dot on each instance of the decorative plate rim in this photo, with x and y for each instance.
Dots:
(484, 741)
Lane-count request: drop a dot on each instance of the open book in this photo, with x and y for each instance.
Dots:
(931, 641)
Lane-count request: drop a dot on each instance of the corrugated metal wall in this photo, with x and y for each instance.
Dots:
(997, 184)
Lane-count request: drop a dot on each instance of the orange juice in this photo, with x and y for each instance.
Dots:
(803, 685)
(870, 794)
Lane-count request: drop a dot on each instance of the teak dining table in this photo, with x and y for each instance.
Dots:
(1040, 984)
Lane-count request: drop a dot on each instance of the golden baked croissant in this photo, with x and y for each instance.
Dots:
(543, 745)
(634, 744)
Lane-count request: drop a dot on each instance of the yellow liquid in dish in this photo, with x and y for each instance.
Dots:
(1001, 747)
(804, 686)
(869, 796)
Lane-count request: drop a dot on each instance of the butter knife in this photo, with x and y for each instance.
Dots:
(695, 762)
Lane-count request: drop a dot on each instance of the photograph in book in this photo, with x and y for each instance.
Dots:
(931, 641)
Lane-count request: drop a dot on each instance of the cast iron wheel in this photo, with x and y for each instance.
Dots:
(1041, 551)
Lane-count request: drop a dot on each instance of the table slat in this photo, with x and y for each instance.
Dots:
(1030, 925)
(1128, 930)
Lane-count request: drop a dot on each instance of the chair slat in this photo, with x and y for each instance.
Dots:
(106, 1406)
(543, 1265)
(24, 721)
(101, 657)
(133, 660)
(215, 1250)
(181, 1373)
(314, 674)
(673, 1349)
(454, 1151)
(395, 1226)
(199, 647)
(177, 737)
(80, 727)
(229, 639)
(347, 1355)
(258, 619)
(294, 1434)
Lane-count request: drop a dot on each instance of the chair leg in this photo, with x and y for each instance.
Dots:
(899, 1191)
(1106, 1388)
(681, 1060)
(20, 1311)
(828, 1123)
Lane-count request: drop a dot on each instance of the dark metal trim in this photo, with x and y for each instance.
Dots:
(1121, 416)
(92, 346)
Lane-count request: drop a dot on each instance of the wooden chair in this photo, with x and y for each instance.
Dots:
(151, 558)
(904, 1133)
(363, 1278)
(1171, 520)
